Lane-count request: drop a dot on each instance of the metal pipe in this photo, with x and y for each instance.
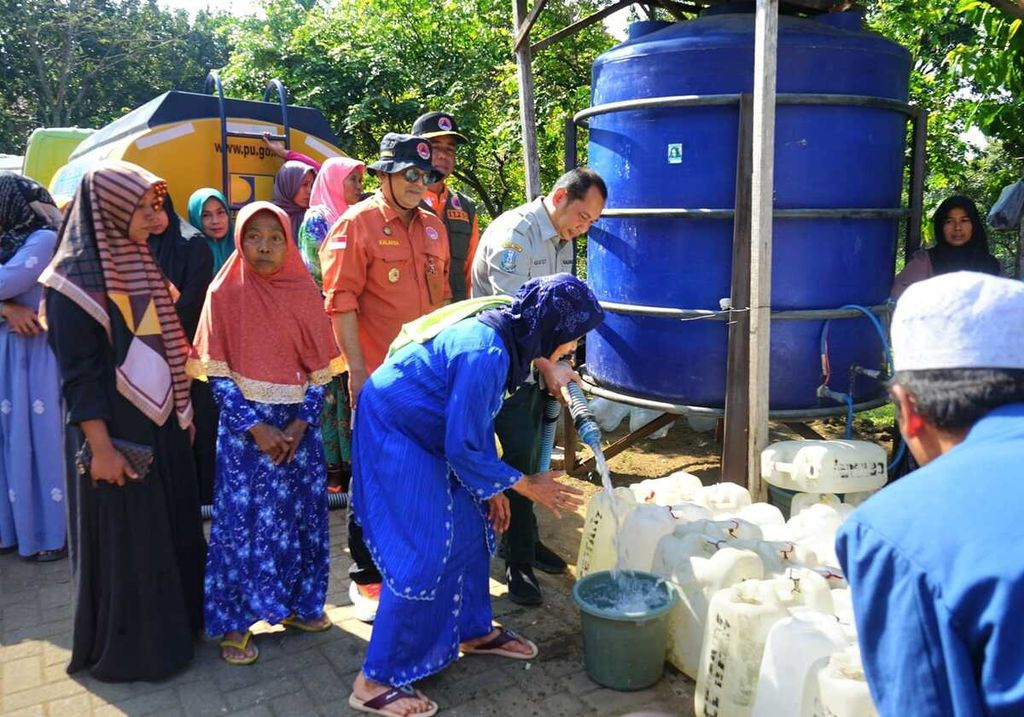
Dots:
(787, 98)
(708, 213)
(663, 312)
(282, 96)
(213, 83)
(681, 409)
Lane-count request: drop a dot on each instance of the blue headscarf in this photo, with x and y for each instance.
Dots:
(544, 314)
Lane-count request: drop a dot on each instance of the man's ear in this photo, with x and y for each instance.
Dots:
(558, 196)
(910, 421)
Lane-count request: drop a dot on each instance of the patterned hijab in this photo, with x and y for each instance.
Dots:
(286, 183)
(119, 284)
(244, 309)
(220, 248)
(25, 207)
(328, 194)
(544, 314)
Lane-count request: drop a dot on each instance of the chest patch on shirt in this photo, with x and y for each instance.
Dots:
(394, 275)
(508, 259)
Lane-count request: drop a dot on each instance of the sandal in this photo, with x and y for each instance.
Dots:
(51, 556)
(308, 625)
(376, 705)
(242, 646)
(496, 646)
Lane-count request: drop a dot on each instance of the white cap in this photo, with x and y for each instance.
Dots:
(959, 320)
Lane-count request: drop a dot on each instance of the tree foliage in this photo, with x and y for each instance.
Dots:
(87, 62)
(372, 66)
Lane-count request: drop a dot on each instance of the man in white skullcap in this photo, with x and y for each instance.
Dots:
(935, 561)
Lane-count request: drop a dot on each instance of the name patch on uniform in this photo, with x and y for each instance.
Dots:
(431, 233)
(389, 242)
(338, 243)
(458, 215)
(507, 260)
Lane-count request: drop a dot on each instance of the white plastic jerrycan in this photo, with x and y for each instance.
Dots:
(763, 515)
(608, 414)
(639, 535)
(816, 527)
(598, 550)
(678, 487)
(778, 556)
(699, 567)
(739, 619)
(794, 644)
(687, 512)
(835, 687)
(724, 529)
(803, 501)
(723, 498)
(842, 604)
(824, 466)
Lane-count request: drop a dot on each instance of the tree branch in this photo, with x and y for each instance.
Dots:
(1013, 8)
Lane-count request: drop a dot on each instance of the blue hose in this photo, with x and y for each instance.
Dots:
(547, 437)
(902, 447)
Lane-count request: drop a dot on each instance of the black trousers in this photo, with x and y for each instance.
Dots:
(362, 571)
(518, 426)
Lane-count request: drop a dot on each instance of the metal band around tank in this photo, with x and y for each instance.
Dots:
(781, 415)
(785, 98)
(663, 312)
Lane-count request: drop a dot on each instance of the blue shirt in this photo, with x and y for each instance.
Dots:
(936, 566)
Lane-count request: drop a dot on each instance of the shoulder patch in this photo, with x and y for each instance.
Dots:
(508, 259)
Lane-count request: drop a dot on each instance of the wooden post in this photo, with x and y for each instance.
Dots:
(737, 376)
(766, 30)
(527, 109)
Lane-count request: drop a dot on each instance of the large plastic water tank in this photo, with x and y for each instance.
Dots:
(827, 157)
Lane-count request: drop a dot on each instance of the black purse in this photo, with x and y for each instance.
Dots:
(139, 457)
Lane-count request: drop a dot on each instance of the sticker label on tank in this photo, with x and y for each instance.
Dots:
(675, 153)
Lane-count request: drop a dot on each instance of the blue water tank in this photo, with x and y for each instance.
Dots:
(826, 157)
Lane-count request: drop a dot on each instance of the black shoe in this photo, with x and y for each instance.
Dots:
(523, 588)
(545, 560)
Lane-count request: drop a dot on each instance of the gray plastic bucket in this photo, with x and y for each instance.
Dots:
(623, 650)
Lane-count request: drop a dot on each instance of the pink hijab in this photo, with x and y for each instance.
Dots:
(328, 193)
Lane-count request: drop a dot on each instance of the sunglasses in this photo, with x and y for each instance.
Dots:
(413, 175)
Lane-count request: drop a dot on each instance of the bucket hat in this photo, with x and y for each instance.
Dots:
(437, 124)
(398, 152)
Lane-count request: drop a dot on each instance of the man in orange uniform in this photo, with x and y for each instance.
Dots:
(457, 211)
(385, 262)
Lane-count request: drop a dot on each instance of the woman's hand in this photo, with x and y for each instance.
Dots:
(275, 147)
(544, 489)
(356, 378)
(22, 320)
(110, 466)
(271, 441)
(557, 375)
(499, 514)
(294, 432)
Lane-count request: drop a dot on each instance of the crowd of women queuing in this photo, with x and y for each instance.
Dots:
(108, 314)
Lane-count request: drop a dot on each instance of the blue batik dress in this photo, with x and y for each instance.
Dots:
(269, 545)
(424, 464)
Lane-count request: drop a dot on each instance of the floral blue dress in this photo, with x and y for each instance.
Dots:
(269, 544)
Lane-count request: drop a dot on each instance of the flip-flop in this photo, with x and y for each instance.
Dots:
(292, 621)
(242, 646)
(376, 705)
(496, 646)
(50, 556)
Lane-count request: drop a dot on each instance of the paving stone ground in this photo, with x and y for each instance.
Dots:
(310, 674)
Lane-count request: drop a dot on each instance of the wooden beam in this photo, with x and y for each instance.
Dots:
(527, 106)
(918, 160)
(625, 442)
(524, 30)
(737, 377)
(766, 35)
(580, 24)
